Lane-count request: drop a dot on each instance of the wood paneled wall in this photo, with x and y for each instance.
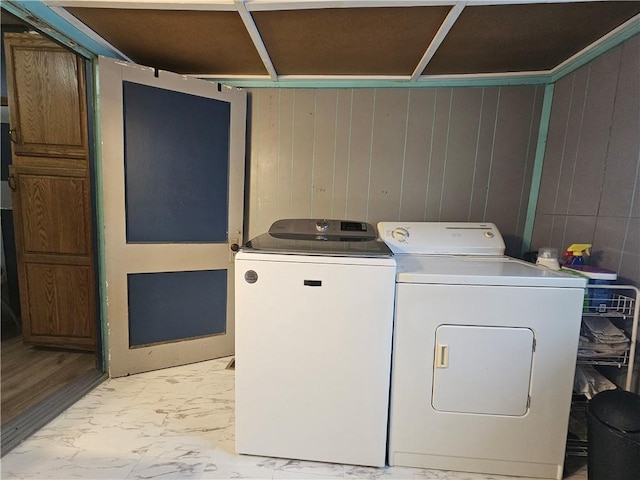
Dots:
(436, 154)
(590, 190)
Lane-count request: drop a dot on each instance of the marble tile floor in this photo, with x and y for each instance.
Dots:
(176, 423)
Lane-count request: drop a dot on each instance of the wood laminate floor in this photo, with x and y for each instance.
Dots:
(30, 374)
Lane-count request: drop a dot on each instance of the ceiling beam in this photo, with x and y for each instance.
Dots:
(265, 5)
(218, 5)
(45, 20)
(352, 81)
(442, 32)
(253, 32)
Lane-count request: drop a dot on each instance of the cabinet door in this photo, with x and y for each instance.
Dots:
(55, 262)
(47, 103)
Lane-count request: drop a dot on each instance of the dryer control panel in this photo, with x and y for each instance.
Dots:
(442, 238)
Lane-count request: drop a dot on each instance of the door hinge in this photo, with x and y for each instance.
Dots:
(534, 344)
(528, 402)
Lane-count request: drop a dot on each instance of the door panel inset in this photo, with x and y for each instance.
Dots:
(176, 165)
(59, 301)
(482, 370)
(55, 210)
(172, 306)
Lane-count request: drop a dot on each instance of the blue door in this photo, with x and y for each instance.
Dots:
(172, 164)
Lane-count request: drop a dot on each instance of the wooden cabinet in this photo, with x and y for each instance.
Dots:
(47, 101)
(51, 188)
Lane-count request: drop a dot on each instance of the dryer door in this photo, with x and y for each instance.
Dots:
(482, 370)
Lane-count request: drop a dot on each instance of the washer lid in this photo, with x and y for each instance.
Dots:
(477, 270)
(303, 236)
(297, 245)
(269, 243)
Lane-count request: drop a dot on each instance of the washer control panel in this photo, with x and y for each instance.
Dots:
(326, 227)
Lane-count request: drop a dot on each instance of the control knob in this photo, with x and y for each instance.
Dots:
(322, 225)
(400, 234)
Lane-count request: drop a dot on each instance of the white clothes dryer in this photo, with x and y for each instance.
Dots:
(484, 353)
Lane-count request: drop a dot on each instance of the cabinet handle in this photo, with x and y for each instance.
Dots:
(12, 137)
(12, 182)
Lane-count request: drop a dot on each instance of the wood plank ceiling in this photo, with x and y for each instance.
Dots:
(322, 39)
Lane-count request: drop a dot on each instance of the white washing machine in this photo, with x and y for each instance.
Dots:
(484, 353)
(314, 321)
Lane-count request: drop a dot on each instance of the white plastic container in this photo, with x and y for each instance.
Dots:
(548, 257)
